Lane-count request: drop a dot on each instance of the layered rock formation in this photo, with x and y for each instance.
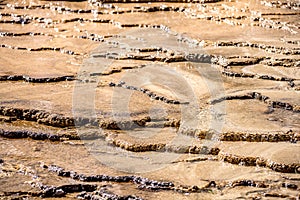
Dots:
(149, 100)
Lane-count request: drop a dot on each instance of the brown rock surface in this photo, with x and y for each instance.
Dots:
(149, 99)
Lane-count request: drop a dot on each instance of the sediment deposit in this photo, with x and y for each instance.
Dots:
(149, 99)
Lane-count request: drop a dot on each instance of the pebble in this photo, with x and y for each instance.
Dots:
(36, 149)
(291, 83)
(153, 96)
(133, 88)
(111, 84)
(59, 193)
(290, 186)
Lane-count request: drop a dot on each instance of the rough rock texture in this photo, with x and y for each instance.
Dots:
(169, 99)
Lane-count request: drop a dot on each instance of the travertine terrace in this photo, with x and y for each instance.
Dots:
(167, 99)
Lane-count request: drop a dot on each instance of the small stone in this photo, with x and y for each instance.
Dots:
(160, 98)
(133, 88)
(290, 186)
(272, 119)
(59, 193)
(36, 149)
(153, 96)
(148, 93)
(291, 84)
(176, 102)
(111, 84)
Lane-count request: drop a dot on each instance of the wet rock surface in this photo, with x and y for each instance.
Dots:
(144, 99)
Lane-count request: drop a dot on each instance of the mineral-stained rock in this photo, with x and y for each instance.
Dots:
(36, 80)
(238, 61)
(253, 161)
(260, 97)
(35, 135)
(251, 183)
(39, 116)
(60, 191)
(149, 93)
(100, 178)
(290, 186)
(104, 194)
